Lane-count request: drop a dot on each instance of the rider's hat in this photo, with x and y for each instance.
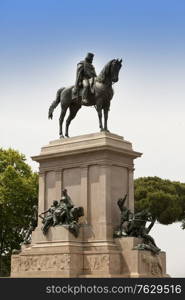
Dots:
(89, 55)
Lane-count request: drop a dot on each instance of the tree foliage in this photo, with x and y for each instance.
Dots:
(165, 199)
(18, 194)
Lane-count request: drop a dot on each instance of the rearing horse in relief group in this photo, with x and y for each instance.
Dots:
(100, 97)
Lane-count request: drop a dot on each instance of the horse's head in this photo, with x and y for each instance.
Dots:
(115, 67)
(110, 72)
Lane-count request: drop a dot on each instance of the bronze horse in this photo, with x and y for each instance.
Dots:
(100, 98)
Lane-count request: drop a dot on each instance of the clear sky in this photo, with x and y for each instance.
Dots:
(41, 43)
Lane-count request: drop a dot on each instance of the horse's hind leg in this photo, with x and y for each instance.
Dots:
(61, 120)
(73, 111)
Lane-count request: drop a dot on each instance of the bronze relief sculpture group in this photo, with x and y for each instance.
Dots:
(62, 213)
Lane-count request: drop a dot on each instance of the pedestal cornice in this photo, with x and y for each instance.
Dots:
(102, 141)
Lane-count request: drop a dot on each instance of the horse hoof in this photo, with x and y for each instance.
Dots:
(66, 135)
(50, 116)
(104, 130)
(61, 136)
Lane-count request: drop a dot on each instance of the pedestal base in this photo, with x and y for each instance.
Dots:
(71, 257)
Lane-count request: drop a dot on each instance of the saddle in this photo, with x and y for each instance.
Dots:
(78, 94)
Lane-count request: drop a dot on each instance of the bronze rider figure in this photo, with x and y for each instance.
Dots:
(85, 77)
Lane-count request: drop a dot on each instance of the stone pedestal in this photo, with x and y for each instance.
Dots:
(96, 169)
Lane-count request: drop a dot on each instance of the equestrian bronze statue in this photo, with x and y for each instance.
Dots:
(88, 90)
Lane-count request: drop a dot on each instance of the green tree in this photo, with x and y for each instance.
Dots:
(18, 194)
(165, 199)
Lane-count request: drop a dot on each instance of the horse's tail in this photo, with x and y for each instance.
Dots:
(55, 103)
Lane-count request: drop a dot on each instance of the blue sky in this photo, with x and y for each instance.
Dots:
(56, 29)
(41, 43)
(49, 36)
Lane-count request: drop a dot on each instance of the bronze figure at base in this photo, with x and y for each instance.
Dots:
(62, 213)
(134, 225)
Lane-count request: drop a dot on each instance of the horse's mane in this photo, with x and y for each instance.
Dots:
(105, 71)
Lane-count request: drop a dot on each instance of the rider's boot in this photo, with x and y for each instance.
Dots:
(84, 95)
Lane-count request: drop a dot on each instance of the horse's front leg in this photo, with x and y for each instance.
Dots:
(106, 112)
(99, 110)
(61, 120)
